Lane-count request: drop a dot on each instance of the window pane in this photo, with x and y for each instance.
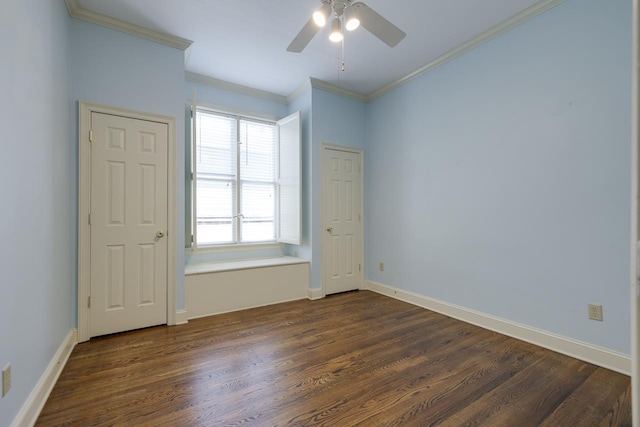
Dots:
(258, 210)
(258, 176)
(215, 211)
(257, 151)
(216, 163)
(235, 178)
(216, 145)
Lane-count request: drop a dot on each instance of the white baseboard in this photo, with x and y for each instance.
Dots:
(314, 294)
(31, 409)
(181, 317)
(577, 349)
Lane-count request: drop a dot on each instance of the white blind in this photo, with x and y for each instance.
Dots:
(216, 177)
(257, 181)
(236, 197)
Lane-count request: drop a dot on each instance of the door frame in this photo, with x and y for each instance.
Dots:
(635, 226)
(85, 109)
(324, 195)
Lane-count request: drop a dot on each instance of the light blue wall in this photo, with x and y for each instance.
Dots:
(336, 120)
(500, 181)
(38, 176)
(121, 70)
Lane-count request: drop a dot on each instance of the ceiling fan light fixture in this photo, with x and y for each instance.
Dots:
(352, 21)
(321, 15)
(336, 30)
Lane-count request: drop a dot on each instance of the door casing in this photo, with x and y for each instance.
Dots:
(360, 153)
(635, 219)
(84, 208)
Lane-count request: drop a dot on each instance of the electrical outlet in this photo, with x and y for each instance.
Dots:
(595, 312)
(381, 266)
(6, 380)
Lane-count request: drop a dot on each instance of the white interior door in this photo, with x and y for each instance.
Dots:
(128, 224)
(342, 242)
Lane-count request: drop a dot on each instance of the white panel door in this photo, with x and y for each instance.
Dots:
(342, 242)
(128, 224)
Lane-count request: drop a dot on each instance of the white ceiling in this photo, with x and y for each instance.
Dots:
(244, 41)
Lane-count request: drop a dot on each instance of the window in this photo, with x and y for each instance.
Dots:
(246, 179)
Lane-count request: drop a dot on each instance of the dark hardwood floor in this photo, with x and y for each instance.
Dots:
(351, 359)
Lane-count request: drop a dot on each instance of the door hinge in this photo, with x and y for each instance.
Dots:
(359, 218)
(359, 267)
(358, 167)
(192, 239)
(90, 136)
(89, 302)
(90, 218)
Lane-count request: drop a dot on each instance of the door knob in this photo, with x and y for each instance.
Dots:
(329, 229)
(160, 234)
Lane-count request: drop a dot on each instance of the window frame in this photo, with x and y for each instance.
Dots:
(277, 242)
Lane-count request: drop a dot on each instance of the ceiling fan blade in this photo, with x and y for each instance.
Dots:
(304, 37)
(377, 25)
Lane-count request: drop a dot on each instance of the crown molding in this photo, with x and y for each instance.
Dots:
(321, 84)
(232, 87)
(79, 12)
(299, 91)
(517, 19)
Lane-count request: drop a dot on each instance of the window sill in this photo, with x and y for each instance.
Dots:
(215, 267)
(235, 248)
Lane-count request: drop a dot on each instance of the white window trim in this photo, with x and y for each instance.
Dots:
(221, 109)
(212, 249)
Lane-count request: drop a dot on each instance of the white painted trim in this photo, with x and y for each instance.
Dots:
(635, 177)
(223, 109)
(232, 87)
(181, 317)
(79, 12)
(323, 194)
(240, 264)
(320, 84)
(299, 91)
(580, 350)
(315, 294)
(84, 230)
(30, 410)
(517, 19)
(84, 204)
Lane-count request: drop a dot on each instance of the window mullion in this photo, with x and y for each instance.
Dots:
(237, 193)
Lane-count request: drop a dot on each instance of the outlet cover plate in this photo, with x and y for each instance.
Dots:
(6, 380)
(595, 312)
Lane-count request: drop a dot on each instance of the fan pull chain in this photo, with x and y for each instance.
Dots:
(342, 65)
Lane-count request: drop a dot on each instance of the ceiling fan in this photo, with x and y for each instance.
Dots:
(353, 15)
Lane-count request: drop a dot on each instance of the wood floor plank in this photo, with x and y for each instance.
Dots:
(591, 403)
(350, 359)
